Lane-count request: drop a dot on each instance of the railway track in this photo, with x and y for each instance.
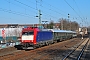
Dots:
(51, 52)
(55, 52)
(77, 52)
(86, 54)
(44, 52)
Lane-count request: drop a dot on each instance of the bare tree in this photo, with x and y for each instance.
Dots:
(74, 25)
(65, 24)
(51, 24)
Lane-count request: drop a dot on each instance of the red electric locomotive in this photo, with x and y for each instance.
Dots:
(32, 37)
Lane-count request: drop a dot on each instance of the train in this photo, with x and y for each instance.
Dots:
(33, 37)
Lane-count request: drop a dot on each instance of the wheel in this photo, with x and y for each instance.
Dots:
(47, 43)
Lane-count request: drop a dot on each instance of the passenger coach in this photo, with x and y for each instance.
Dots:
(60, 35)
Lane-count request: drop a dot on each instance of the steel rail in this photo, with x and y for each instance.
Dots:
(74, 50)
(82, 50)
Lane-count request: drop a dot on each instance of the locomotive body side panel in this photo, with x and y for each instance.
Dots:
(44, 36)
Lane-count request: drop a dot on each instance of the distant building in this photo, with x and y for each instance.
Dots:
(14, 25)
(83, 31)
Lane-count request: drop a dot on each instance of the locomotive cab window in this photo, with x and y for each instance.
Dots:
(24, 33)
(31, 33)
(28, 33)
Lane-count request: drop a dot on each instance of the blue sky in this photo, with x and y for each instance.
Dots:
(24, 11)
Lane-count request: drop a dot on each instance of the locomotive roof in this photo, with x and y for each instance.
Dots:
(54, 30)
(66, 31)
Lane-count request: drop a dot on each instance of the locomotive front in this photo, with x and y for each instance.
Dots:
(28, 38)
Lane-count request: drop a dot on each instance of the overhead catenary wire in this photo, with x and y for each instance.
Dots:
(37, 8)
(24, 4)
(85, 20)
(14, 12)
(74, 10)
(28, 7)
(19, 6)
(52, 9)
(46, 8)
